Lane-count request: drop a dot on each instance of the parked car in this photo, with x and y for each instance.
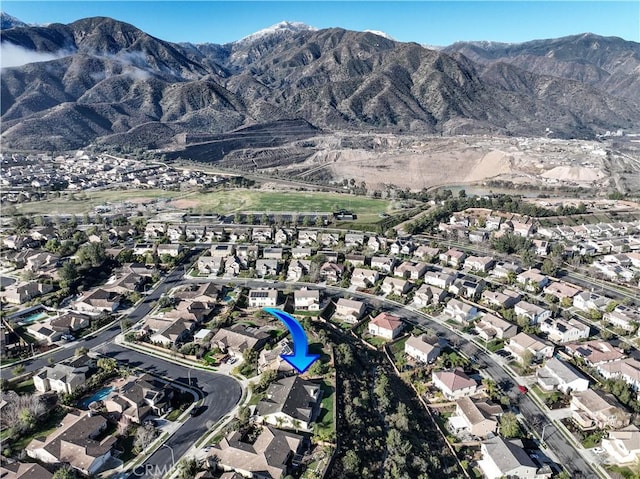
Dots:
(523, 389)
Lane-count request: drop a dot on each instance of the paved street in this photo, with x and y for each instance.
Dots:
(220, 395)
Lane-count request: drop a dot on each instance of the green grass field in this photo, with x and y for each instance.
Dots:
(222, 202)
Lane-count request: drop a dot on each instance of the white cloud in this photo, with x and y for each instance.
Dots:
(14, 55)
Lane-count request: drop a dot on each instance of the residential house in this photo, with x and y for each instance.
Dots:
(331, 272)
(24, 470)
(272, 253)
(386, 326)
(409, 269)
(493, 222)
(64, 377)
(74, 442)
(247, 252)
(595, 409)
(297, 269)
(623, 317)
(532, 280)
(541, 247)
(479, 263)
(239, 337)
(561, 290)
(261, 235)
(357, 260)
(626, 369)
(99, 300)
(594, 353)
(364, 278)
(44, 333)
(560, 375)
(271, 359)
(503, 269)
(460, 311)
(139, 397)
(307, 237)
(269, 457)
(523, 342)
(564, 330)
(478, 418)
(172, 250)
(522, 229)
(21, 292)
(383, 263)
(427, 295)
(222, 250)
(267, 267)
(453, 257)
(506, 299)
(502, 458)
(174, 333)
(588, 300)
(440, 279)
(353, 240)
(238, 235)
(329, 254)
(211, 265)
(307, 300)
(349, 310)
(204, 293)
(426, 253)
(375, 244)
(467, 287)
(396, 286)
(422, 348)
(479, 235)
(290, 403)
(299, 253)
(623, 446)
(491, 326)
(282, 236)
(454, 383)
(263, 298)
(534, 313)
(329, 239)
(70, 322)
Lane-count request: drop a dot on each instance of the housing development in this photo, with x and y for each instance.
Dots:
(317, 253)
(465, 340)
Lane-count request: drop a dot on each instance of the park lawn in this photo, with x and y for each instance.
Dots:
(86, 201)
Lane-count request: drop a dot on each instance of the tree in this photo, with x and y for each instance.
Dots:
(68, 273)
(108, 365)
(351, 462)
(509, 425)
(549, 268)
(92, 253)
(527, 358)
(188, 469)
(80, 351)
(144, 437)
(491, 387)
(65, 472)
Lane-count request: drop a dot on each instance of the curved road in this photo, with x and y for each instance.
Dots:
(567, 455)
(220, 393)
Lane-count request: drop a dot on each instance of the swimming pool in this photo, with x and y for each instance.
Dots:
(33, 317)
(97, 396)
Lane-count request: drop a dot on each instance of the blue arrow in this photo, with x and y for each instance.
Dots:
(301, 360)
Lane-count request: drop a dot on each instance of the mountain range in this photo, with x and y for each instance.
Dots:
(102, 80)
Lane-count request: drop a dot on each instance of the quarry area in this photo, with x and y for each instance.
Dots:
(418, 162)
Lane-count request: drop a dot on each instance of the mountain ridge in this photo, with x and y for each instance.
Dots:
(119, 82)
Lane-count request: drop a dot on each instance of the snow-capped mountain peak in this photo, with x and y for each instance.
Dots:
(277, 30)
(7, 21)
(381, 34)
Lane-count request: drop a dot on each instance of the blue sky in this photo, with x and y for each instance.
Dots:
(426, 22)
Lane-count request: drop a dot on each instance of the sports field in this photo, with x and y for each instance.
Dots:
(222, 202)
